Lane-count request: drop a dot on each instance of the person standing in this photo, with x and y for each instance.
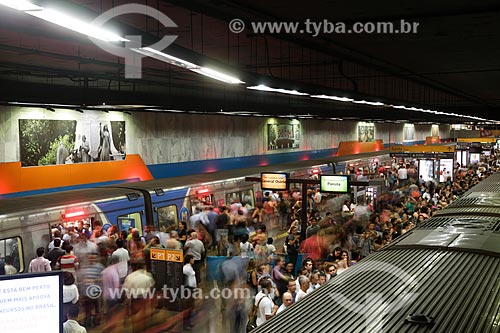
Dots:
(195, 247)
(85, 149)
(40, 264)
(105, 150)
(71, 325)
(266, 308)
(61, 154)
(190, 283)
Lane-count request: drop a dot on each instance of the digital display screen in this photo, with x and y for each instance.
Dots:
(334, 183)
(274, 181)
(31, 302)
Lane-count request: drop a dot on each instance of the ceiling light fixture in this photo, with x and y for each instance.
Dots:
(63, 20)
(217, 75)
(22, 5)
(335, 98)
(262, 87)
(158, 55)
(368, 103)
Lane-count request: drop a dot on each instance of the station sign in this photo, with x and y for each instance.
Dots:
(422, 149)
(481, 140)
(274, 181)
(334, 183)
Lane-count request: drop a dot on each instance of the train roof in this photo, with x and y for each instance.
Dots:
(440, 277)
(56, 199)
(166, 183)
(35, 202)
(450, 292)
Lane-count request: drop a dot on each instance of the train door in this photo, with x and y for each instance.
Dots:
(11, 253)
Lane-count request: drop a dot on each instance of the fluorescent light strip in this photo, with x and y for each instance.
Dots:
(335, 98)
(368, 103)
(262, 87)
(22, 5)
(77, 25)
(63, 20)
(153, 53)
(216, 75)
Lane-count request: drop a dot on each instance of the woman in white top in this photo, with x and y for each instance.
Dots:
(70, 292)
(246, 249)
(190, 283)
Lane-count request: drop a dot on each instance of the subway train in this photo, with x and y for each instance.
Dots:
(442, 276)
(26, 222)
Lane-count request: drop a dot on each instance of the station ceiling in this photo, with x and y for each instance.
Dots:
(450, 64)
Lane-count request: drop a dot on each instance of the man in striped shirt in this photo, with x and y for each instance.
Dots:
(68, 262)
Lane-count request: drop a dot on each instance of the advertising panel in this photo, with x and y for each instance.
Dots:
(445, 170)
(31, 302)
(426, 169)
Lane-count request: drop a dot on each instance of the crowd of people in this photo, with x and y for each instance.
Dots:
(338, 234)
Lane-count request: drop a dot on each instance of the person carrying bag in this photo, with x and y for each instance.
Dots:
(252, 318)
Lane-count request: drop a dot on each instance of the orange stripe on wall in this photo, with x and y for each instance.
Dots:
(14, 178)
(355, 147)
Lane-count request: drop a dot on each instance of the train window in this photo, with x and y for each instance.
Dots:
(127, 221)
(232, 197)
(167, 218)
(244, 197)
(247, 198)
(11, 249)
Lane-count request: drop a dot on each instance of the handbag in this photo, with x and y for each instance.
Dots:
(252, 321)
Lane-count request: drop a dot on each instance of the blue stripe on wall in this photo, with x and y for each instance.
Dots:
(167, 170)
(194, 167)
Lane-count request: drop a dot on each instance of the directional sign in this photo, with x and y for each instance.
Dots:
(174, 255)
(485, 140)
(422, 149)
(157, 254)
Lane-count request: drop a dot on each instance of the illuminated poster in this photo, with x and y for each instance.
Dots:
(48, 142)
(409, 132)
(445, 170)
(366, 133)
(283, 136)
(426, 169)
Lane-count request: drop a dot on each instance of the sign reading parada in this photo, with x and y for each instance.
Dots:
(422, 149)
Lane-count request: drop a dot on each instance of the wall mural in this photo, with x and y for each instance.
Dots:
(366, 133)
(47, 142)
(283, 136)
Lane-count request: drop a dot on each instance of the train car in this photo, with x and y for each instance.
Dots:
(439, 277)
(26, 222)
